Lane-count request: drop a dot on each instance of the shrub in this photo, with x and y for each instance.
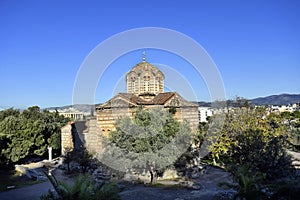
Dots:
(83, 188)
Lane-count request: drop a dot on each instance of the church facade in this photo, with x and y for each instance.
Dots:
(145, 87)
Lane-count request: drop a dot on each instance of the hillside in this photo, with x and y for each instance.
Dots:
(282, 99)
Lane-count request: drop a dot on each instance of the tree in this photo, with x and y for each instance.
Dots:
(150, 141)
(249, 137)
(292, 123)
(84, 158)
(29, 133)
(201, 134)
(193, 153)
(20, 137)
(9, 112)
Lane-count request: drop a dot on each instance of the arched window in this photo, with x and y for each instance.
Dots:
(133, 85)
(146, 80)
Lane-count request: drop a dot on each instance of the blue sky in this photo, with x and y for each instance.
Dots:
(255, 45)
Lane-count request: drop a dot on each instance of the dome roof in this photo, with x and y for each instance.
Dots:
(145, 78)
(144, 67)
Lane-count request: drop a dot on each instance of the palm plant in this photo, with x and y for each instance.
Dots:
(249, 184)
(83, 188)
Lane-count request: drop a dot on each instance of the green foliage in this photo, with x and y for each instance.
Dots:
(28, 133)
(249, 183)
(192, 152)
(148, 132)
(172, 110)
(292, 123)
(84, 158)
(152, 140)
(9, 112)
(265, 155)
(251, 138)
(83, 188)
(201, 134)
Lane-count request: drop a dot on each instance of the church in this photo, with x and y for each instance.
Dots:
(145, 87)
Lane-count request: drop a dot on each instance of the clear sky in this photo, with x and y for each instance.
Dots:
(254, 43)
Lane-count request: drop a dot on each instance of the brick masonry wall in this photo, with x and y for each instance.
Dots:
(66, 138)
(91, 131)
(86, 131)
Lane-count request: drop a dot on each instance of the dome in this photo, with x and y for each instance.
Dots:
(145, 78)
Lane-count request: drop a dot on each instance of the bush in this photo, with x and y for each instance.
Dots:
(83, 188)
(251, 139)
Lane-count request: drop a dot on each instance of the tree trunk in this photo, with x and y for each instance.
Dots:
(153, 174)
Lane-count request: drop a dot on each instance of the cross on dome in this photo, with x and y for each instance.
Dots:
(144, 56)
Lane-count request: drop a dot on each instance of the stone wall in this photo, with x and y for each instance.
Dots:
(191, 115)
(92, 136)
(82, 133)
(106, 118)
(66, 138)
(88, 133)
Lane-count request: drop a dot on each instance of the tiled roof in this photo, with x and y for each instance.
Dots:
(134, 100)
(162, 98)
(159, 99)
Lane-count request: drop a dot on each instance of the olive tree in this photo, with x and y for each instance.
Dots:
(150, 141)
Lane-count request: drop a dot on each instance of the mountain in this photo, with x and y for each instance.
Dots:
(282, 99)
(203, 104)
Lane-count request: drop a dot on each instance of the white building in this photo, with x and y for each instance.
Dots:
(205, 112)
(284, 108)
(73, 115)
(70, 113)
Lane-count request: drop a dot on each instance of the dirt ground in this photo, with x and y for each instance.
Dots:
(209, 188)
(208, 182)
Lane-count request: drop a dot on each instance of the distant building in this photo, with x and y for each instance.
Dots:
(75, 116)
(71, 113)
(204, 113)
(283, 108)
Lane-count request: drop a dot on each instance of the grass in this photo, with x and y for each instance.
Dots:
(12, 178)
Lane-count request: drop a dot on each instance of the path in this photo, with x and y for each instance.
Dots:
(165, 193)
(32, 192)
(209, 181)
